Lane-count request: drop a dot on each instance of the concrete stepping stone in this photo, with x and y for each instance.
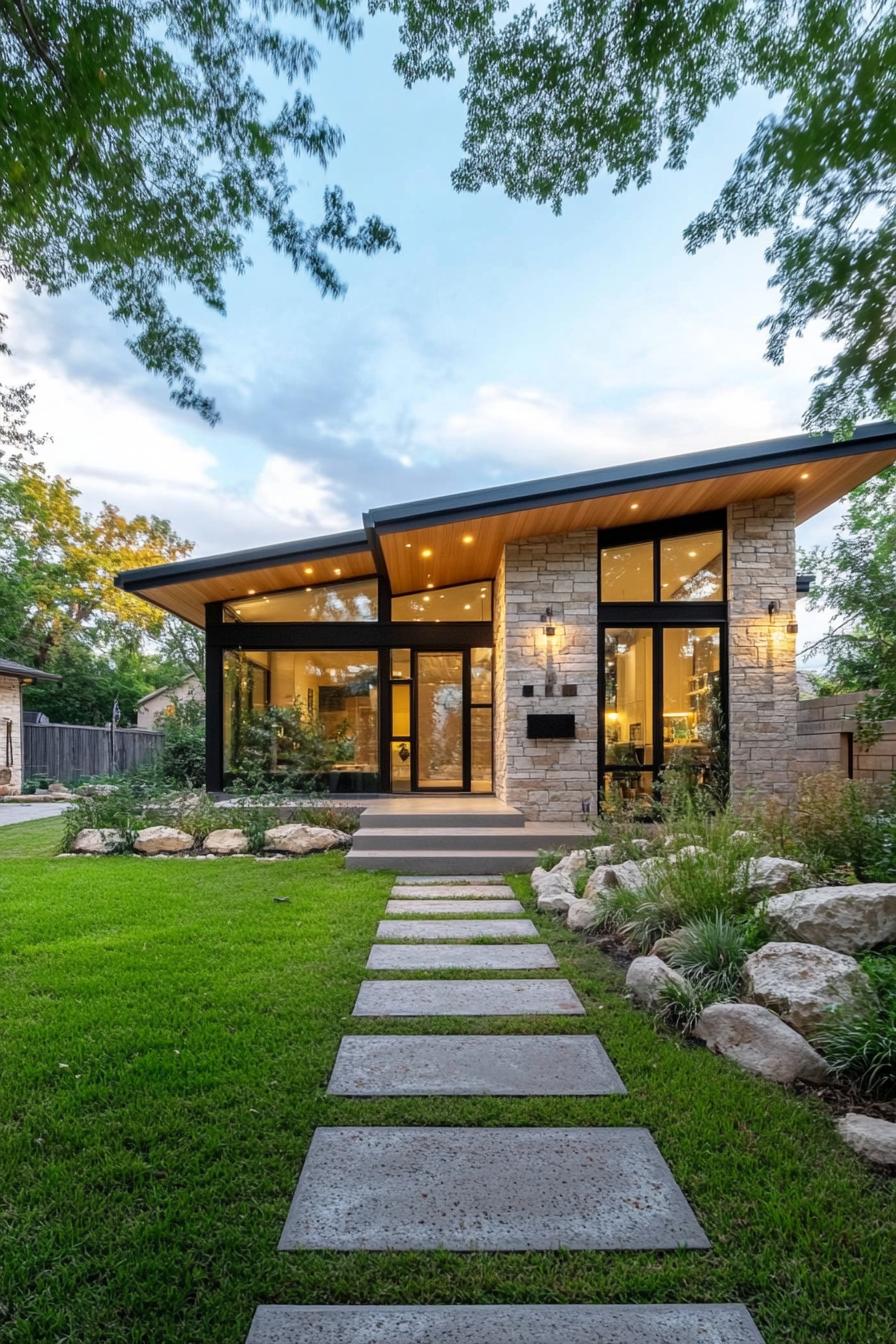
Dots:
(448, 930)
(437, 892)
(498, 1189)
(450, 879)
(476, 907)
(461, 957)
(465, 998)
(471, 1066)
(705, 1324)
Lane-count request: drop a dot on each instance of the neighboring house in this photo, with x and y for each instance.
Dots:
(157, 704)
(13, 676)
(826, 740)
(548, 641)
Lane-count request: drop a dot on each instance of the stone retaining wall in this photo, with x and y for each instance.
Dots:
(826, 729)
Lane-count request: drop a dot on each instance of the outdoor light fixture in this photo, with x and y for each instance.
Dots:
(426, 552)
(634, 506)
(547, 620)
(468, 539)
(774, 607)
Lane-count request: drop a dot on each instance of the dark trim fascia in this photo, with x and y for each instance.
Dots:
(662, 613)
(283, 636)
(236, 562)
(551, 490)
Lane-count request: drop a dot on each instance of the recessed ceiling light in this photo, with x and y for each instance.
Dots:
(425, 598)
(251, 592)
(804, 475)
(308, 569)
(307, 590)
(634, 506)
(692, 554)
(426, 552)
(407, 545)
(466, 606)
(430, 585)
(682, 578)
(468, 539)
(337, 570)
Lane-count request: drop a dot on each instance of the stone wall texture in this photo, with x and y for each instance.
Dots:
(547, 779)
(11, 712)
(826, 729)
(762, 654)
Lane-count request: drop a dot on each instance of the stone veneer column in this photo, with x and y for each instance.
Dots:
(763, 693)
(11, 708)
(546, 779)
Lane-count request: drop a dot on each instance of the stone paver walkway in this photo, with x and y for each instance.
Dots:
(502, 1189)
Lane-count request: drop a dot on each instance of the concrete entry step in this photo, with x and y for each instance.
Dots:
(471, 1066)
(478, 906)
(462, 810)
(433, 1188)
(447, 930)
(728, 1323)
(466, 998)
(446, 839)
(461, 957)
(445, 891)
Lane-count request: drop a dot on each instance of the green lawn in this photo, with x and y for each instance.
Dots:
(167, 1033)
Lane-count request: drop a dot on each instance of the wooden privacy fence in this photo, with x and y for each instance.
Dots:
(70, 751)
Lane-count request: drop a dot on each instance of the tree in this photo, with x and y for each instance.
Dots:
(855, 577)
(556, 96)
(137, 153)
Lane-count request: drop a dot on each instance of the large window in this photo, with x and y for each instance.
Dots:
(307, 718)
(665, 569)
(355, 600)
(464, 602)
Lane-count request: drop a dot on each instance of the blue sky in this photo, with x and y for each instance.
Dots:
(501, 343)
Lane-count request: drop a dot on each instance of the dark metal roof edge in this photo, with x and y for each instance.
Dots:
(653, 473)
(19, 672)
(235, 562)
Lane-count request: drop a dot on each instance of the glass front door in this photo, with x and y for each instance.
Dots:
(441, 712)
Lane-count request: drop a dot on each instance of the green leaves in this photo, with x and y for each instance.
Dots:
(137, 152)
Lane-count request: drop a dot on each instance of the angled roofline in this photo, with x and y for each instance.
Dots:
(235, 562)
(20, 672)
(650, 474)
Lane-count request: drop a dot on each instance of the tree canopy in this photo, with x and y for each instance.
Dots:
(557, 95)
(137, 152)
(855, 577)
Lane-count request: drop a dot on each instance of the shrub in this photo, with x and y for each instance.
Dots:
(254, 821)
(860, 1047)
(549, 858)
(842, 828)
(180, 761)
(332, 818)
(118, 809)
(281, 747)
(711, 950)
(196, 814)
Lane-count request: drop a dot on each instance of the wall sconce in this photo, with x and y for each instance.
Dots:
(547, 620)
(774, 607)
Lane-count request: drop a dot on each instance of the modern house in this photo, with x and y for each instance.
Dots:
(550, 642)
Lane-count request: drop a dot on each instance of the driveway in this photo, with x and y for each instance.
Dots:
(13, 812)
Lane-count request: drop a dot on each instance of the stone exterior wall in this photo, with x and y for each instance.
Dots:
(11, 710)
(762, 717)
(547, 779)
(826, 729)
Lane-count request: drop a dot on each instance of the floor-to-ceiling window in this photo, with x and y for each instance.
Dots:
(663, 647)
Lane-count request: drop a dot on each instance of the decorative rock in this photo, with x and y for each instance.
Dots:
(608, 876)
(768, 875)
(58, 787)
(556, 900)
(802, 983)
(296, 838)
(162, 840)
(106, 840)
(647, 977)
(873, 1139)
(553, 888)
(572, 864)
(640, 843)
(845, 919)
(759, 1042)
(581, 915)
(602, 853)
(226, 841)
(690, 852)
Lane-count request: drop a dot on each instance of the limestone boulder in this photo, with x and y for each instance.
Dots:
(802, 983)
(769, 875)
(757, 1040)
(581, 915)
(162, 840)
(102, 840)
(556, 899)
(228, 840)
(603, 853)
(846, 919)
(608, 876)
(873, 1139)
(690, 852)
(572, 864)
(296, 838)
(648, 977)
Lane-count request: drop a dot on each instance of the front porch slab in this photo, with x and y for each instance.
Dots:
(461, 957)
(459, 1189)
(729, 1323)
(466, 998)
(476, 907)
(469, 1066)
(448, 930)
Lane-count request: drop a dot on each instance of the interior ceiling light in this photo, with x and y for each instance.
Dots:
(430, 585)
(251, 592)
(425, 598)
(692, 554)
(466, 606)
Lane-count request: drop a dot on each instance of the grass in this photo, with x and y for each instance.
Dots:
(168, 1031)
